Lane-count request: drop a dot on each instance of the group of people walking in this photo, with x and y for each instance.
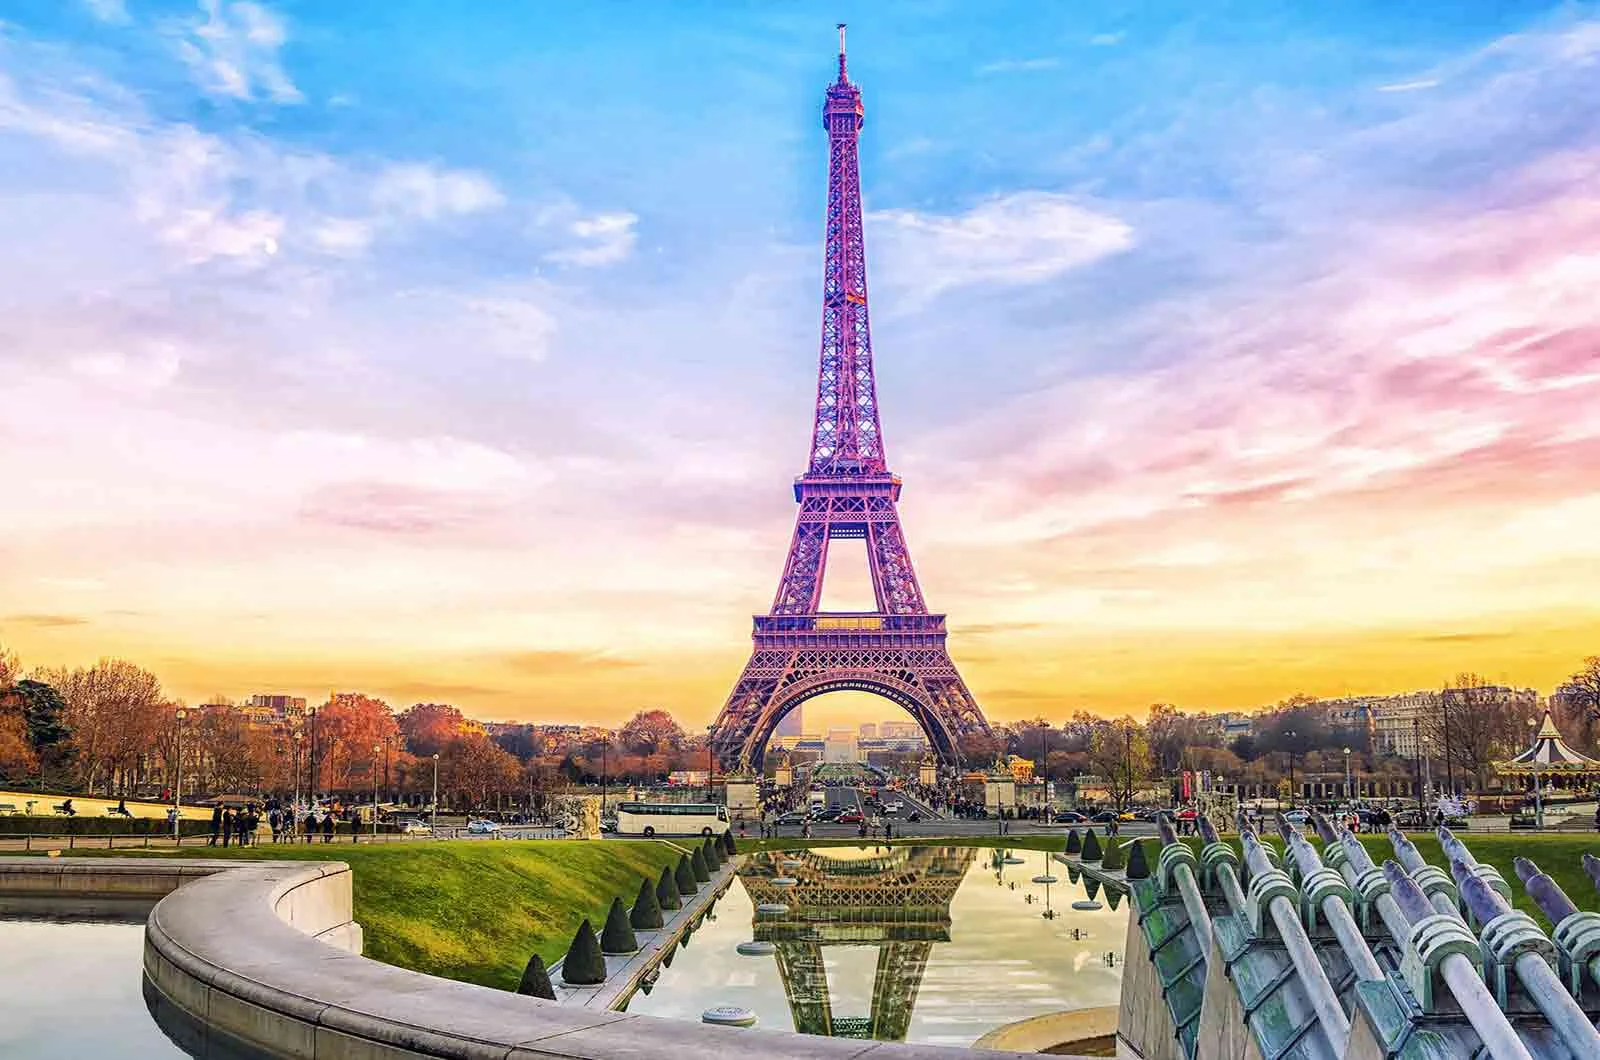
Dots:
(284, 825)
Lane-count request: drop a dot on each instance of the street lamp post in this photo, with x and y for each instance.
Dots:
(604, 746)
(298, 738)
(1288, 736)
(711, 766)
(433, 823)
(311, 761)
(1416, 761)
(1538, 796)
(177, 787)
(1349, 789)
(375, 749)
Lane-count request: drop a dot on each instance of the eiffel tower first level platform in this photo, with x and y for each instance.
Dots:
(897, 650)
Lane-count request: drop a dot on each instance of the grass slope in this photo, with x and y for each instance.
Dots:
(477, 911)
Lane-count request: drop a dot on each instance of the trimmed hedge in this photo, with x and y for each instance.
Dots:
(684, 875)
(1115, 857)
(83, 824)
(729, 847)
(713, 855)
(697, 865)
(1074, 842)
(584, 965)
(1091, 847)
(617, 936)
(667, 890)
(536, 980)
(646, 912)
(1138, 867)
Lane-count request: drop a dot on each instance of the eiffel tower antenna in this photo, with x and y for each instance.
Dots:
(898, 649)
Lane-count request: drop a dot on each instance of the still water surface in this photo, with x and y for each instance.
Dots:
(70, 990)
(937, 945)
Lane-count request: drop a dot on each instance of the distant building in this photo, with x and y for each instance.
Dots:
(869, 730)
(841, 746)
(1226, 726)
(899, 730)
(789, 726)
(1397, 722)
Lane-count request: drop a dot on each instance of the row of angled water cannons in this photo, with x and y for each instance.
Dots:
(1422, 909)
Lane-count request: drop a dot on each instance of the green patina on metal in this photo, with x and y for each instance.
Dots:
(1175, 949)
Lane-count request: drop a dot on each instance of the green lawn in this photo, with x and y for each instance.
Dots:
(1559, 855)
(477, 911)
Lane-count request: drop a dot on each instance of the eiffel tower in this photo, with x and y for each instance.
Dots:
(898, 902)
(896, 650)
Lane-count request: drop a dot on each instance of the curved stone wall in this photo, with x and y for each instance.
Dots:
(257, 962)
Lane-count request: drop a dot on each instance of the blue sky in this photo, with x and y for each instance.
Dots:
(492, 330)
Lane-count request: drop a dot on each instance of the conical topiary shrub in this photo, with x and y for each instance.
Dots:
(1074, 844)
(684, 874)
(1138, 868)
(729, 847)
(697, 865)
(713, 857)
(1091, 847)
(1115, 857)
(646, 913)
(617, 935)
(536, 980)
(667, 890)
(584, 966)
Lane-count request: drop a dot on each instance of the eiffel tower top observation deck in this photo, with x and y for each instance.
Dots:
(897, 650)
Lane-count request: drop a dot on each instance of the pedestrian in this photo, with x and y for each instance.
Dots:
(888, 830)
(327, 828)
(274, 822)
(216, 824)
(227, 827)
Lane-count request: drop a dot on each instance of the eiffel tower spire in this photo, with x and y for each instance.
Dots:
(897, 650)
(846, 438)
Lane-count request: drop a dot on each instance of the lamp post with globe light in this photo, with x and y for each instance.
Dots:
(433, 822)
(177, 787)
(375, 749)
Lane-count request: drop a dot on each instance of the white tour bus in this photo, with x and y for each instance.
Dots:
(671, 818)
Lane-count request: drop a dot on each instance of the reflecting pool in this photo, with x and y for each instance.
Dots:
(72, 990)
(931, 944)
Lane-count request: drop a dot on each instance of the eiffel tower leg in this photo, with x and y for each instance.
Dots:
(895, 986)
(805, 986)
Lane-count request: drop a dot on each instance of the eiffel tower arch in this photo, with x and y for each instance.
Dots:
(897, 650)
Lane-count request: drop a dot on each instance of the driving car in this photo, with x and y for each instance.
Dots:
(914, 817)
(1105, 817)
(850, 817)
(792, 817)
(1296, 817)
(482, 827)
(415, 827)
(1070, 817)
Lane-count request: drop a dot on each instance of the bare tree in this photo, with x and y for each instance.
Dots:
(116, 712)
(1120, 753)
(1579, 703)
(1475, 723)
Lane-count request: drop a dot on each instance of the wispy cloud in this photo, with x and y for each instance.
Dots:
(603, 239)
(1106, 40)
(1018, 66)
(1025, 237)
(47, 621)
(1410, 86)
(234, 50)
(113, 11)
(431, 192)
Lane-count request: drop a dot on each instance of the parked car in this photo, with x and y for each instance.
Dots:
(1296, 817)
(416, 827)
(1071, 817)
(894, 807)
(482, 827)
(914, 817)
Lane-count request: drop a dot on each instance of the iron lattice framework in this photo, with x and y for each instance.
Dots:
(898, 903)
(847, 492)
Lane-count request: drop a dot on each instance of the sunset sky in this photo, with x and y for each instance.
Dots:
(466, 352)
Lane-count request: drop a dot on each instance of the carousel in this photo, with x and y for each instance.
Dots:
(1549, 757)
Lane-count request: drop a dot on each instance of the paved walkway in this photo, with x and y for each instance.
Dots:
(623, 972)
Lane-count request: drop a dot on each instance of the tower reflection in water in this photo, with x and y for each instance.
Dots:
(896, 899)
